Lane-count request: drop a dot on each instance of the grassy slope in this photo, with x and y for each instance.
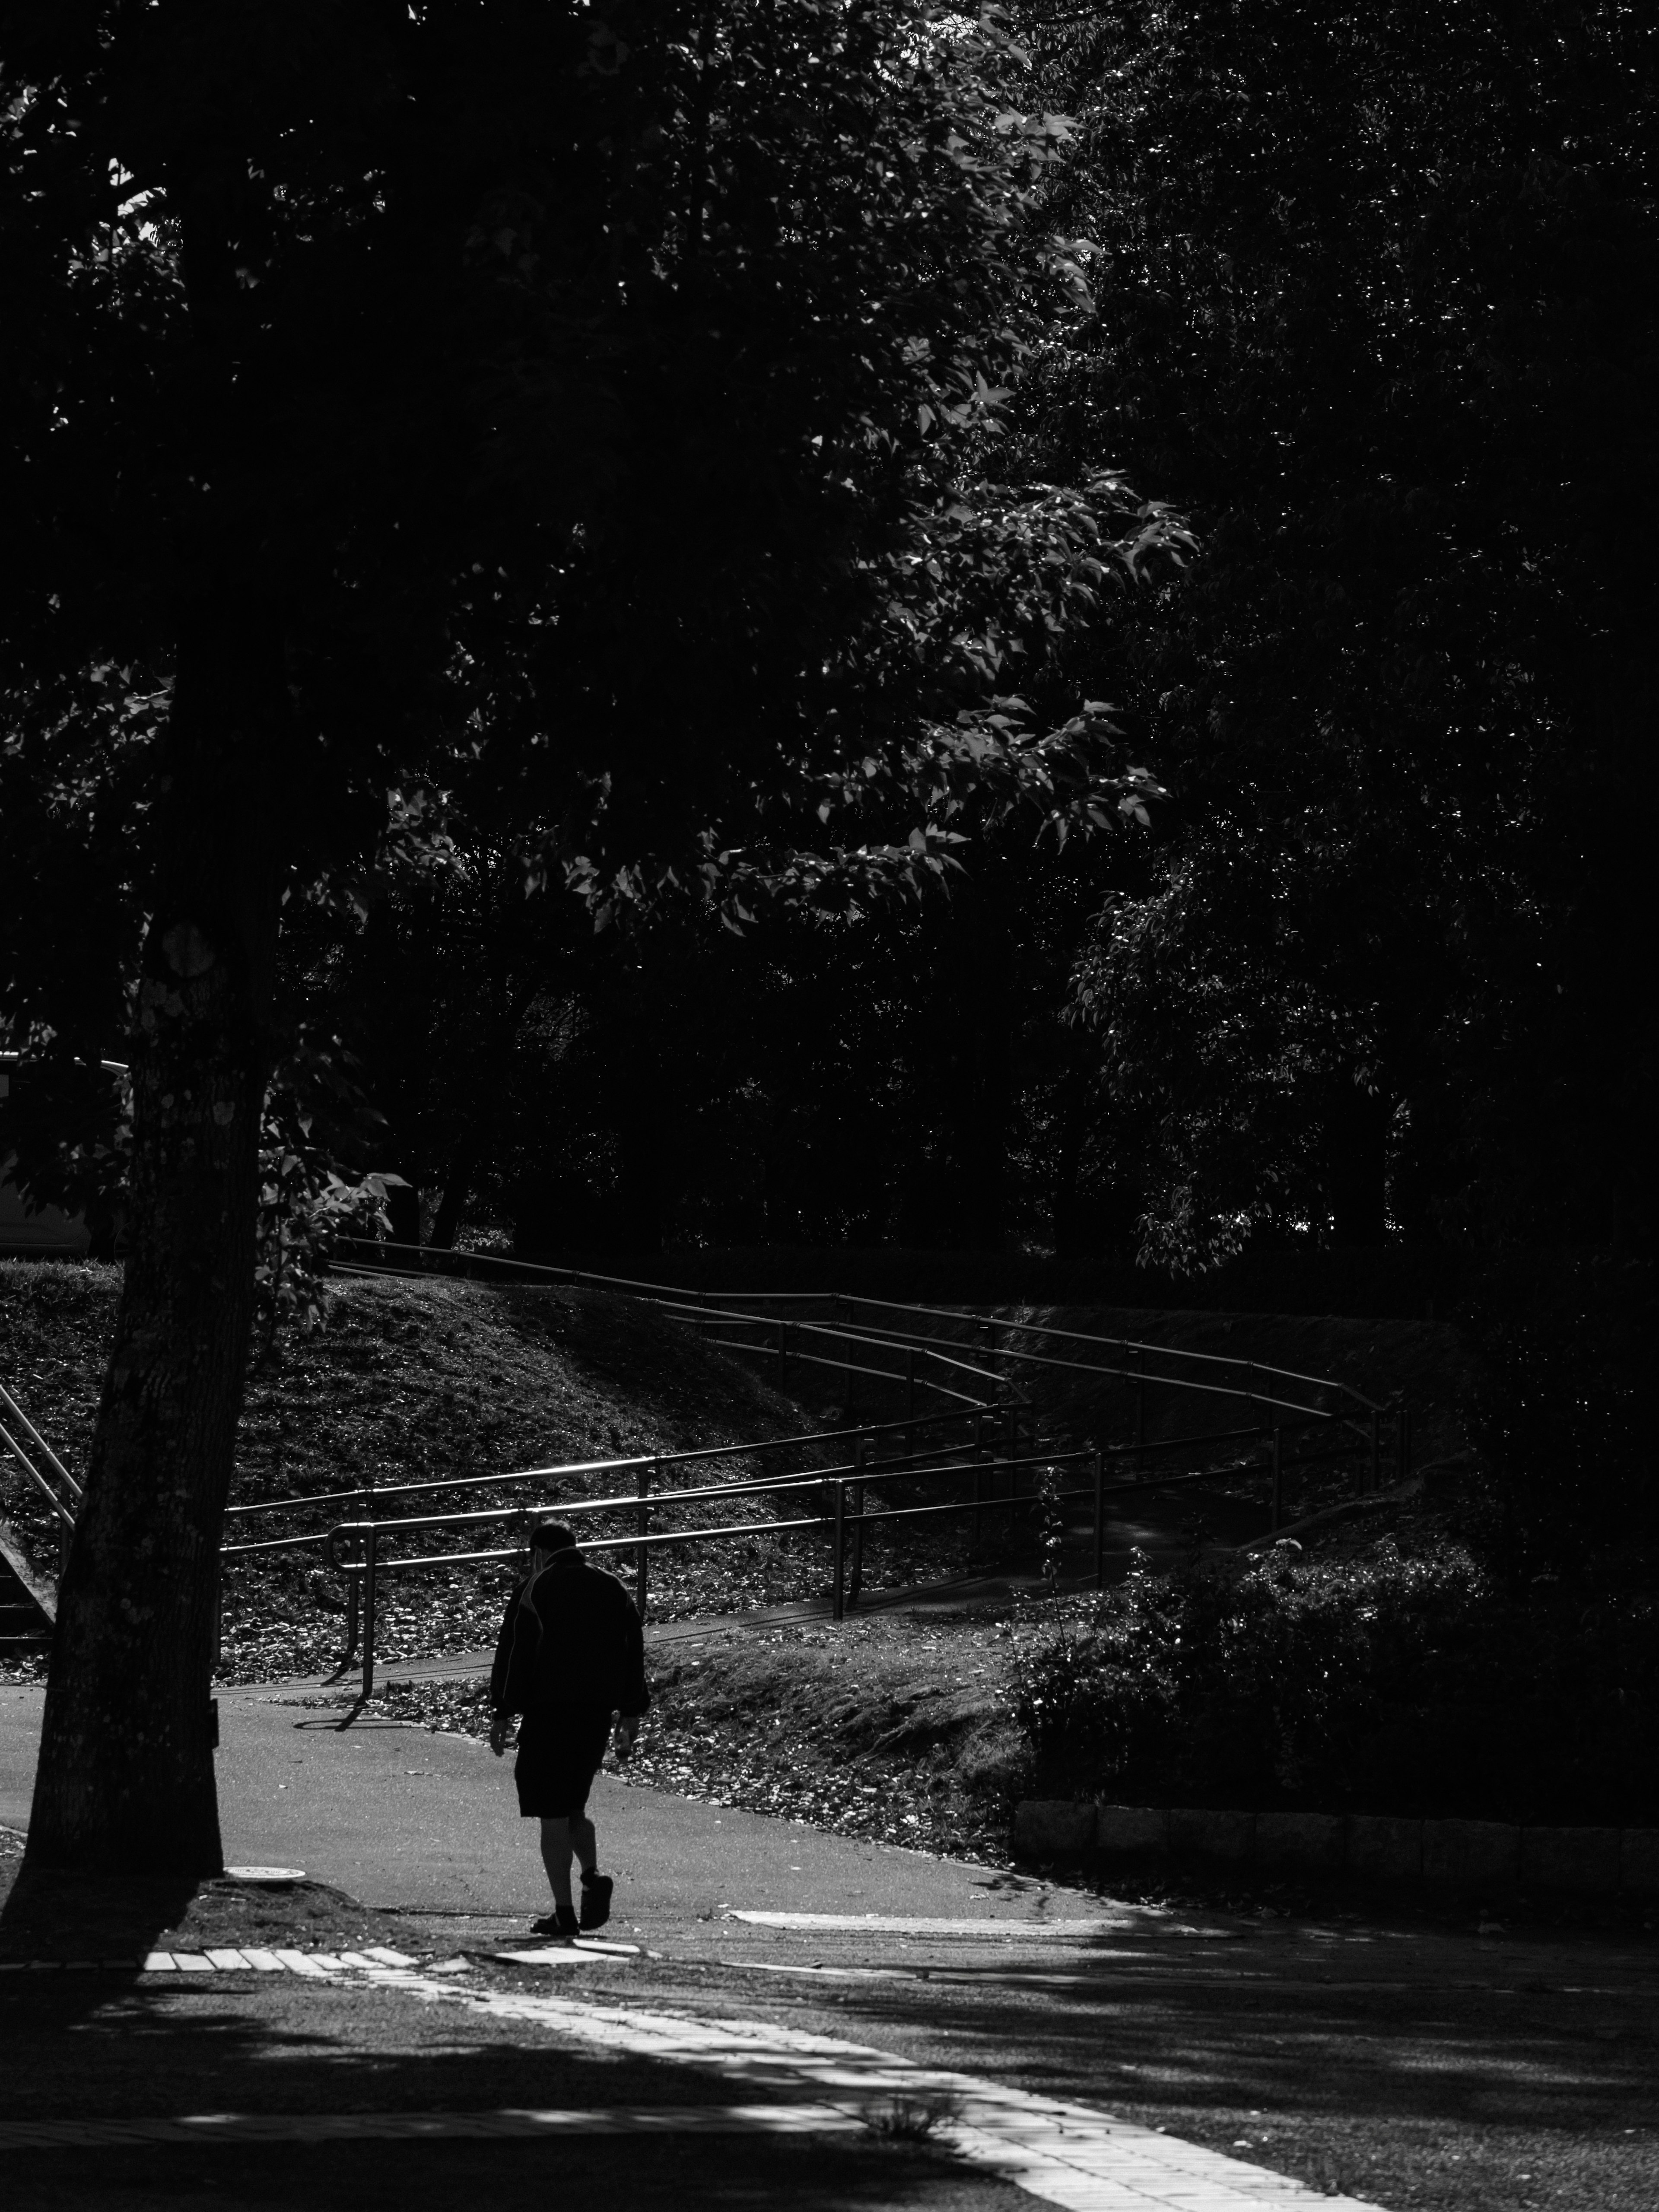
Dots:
(409, 1381)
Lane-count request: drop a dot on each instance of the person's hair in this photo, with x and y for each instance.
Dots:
(552, 1536)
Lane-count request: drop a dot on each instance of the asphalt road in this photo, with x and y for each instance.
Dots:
(399, 1816)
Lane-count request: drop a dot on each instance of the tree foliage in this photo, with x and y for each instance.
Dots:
(1375, 300)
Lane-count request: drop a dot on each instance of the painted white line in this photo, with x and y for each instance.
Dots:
(402, 2127)
(265, 1962)
(1072, 2155)
(876, 1923)
(229, 1962)
(159, 1962)
(566, 1955)
(823, 1974)
(193, 1962)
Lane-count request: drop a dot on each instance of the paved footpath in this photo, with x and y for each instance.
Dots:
(980, 1998)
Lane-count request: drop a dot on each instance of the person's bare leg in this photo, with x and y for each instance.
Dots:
(585, 1843)
(557, 1843)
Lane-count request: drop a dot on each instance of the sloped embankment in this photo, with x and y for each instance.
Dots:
(409, 1382)
(896, 1727)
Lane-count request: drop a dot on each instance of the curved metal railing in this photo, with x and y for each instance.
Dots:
(988, 1427)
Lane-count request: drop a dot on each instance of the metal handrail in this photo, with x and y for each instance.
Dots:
(9, 1444)
(596, 1466)
(761, 1487)
(368, 1534)
(682, 1300)
(46, 1450)
(1121, 1344)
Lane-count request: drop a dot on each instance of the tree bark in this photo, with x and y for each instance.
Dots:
(125, 1778)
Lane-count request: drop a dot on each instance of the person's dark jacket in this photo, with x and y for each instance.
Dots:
(571, 1641)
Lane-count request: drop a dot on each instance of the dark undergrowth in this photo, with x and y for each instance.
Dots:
(1382, 1682)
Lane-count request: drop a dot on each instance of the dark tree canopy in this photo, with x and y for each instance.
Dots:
(578, 423)
(1375, 303)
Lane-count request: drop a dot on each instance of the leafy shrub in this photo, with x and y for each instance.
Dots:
(1385, 1684)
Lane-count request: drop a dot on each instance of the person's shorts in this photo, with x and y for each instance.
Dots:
(559, 1754)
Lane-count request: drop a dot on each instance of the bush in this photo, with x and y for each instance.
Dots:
(1388, 1685)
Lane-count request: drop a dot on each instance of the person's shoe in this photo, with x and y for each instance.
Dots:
(596, 1900)
(560, 1922)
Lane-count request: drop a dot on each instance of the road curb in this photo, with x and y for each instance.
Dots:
(1488, 1856)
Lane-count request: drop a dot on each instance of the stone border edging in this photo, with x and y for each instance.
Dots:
(1456, 1855)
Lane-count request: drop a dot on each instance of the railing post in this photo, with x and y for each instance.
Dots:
(1279, 1476)
(371, 1556)
(860, 1453)
(353, 1588)
(1098, 1469)
(838, 1579)
(642, 1527)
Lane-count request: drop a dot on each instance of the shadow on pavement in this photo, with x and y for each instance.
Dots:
(1163, 2040)
(808, 2175)
(76, 1916)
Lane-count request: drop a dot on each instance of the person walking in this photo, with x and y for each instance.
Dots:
(570, 1660)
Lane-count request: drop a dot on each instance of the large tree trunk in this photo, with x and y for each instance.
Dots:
(126, 1777)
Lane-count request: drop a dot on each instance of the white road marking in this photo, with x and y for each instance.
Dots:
(566, 1955)
(877, 1924)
